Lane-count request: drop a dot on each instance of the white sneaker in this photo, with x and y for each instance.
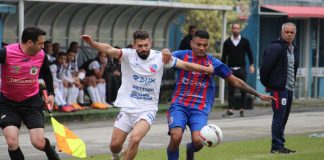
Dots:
(117, 156)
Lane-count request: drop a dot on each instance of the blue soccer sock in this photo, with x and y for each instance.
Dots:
(191, 149)
(173, 155)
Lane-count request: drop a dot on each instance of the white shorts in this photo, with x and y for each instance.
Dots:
(126, 121)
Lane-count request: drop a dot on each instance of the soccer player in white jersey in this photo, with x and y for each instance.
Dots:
(97, 69)
(59, 68)
(142, 70)
(75, 86)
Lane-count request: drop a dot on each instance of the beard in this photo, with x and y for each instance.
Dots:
(143, 55)
(235, 34)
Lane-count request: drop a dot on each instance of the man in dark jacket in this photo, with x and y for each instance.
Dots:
(278, 75)
(185, 42)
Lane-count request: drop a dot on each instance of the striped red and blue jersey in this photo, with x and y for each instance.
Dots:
(195, 89)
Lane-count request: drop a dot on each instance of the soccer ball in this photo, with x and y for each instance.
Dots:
(211, 135)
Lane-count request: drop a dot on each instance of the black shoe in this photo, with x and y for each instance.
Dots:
(282, 151)
(53, 155)
(228, 113)
(190, 154)
(242, 113)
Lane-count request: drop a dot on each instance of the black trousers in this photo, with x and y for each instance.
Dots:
(112, 85)
(241, 74)
(281, 110)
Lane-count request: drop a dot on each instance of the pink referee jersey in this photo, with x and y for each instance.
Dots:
(20, 73)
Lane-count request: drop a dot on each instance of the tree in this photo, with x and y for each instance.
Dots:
(211, 21)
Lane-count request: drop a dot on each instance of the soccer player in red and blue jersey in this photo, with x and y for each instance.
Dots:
(193, 96)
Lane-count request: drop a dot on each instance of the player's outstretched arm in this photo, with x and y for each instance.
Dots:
(102, 47)
(238, 83)
(194, 67)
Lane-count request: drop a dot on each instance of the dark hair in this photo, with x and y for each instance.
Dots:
(46, 43)
(235, 24)
(192, 27)
(140, 35)
(201, 34)
(70, 50)
(74, 46)
(56, 43)
(62, 53)
(32, 33)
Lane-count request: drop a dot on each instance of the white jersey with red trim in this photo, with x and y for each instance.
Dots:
(141, 81)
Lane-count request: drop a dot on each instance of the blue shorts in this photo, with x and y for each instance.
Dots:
(180, 116)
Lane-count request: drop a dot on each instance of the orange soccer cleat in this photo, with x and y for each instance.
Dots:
(66, 108)
(98, 105)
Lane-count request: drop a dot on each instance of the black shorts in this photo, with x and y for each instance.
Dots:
(29, 111)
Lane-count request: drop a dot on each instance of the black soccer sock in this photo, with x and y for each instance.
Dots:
(16, 154)
(50, 151)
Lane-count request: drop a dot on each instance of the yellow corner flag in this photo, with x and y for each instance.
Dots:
(67, 141)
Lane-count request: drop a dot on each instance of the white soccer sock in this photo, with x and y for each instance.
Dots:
(102, 90)
(65, 93)
(97, 94)
(69, 95)
(92, 94)
(115, 156)
(81, 96)
(58, 97)
(61, 88)
(75, 94)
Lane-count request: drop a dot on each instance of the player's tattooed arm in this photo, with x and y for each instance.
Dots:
(238, 83)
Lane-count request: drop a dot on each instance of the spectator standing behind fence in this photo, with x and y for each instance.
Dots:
(278, 74)
(235, 48)
(185, 42)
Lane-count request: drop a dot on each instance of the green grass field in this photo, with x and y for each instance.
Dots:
(258, 149)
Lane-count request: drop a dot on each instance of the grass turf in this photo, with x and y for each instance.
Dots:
(257, 149)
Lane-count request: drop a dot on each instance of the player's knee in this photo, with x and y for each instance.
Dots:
(135, 140)
(39, 144)
(176, 137)
(115, 147)
(12, 143)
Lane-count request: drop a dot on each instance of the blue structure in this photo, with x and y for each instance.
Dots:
(5, 9)
(111, 21)
(264, 25)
